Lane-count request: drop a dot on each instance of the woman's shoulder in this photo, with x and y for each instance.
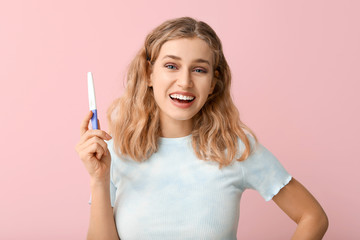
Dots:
(109, 142)
(116, 156)
(250, 138)
(110, 146)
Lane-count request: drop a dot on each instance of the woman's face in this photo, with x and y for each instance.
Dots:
(183, 68)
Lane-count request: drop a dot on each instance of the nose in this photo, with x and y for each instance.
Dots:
(184, 80)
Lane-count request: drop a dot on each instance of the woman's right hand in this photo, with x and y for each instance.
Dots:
(93, 151)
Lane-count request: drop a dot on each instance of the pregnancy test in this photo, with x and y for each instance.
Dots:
(92, 101)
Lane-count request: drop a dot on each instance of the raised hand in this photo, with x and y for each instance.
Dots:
(93, 151)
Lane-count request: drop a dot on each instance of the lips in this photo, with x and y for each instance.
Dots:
(181, 103)
(181, 100)
(183, 93)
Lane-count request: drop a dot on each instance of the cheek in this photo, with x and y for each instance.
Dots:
(161, 85)
(205, 94)
(159, 94)
(205, 89)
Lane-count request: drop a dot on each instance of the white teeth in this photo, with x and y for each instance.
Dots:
(178, 96)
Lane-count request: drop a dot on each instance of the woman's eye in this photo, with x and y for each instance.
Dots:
(169, 65)
(201, 70)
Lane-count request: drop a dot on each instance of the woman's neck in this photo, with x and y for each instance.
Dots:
(171, 128)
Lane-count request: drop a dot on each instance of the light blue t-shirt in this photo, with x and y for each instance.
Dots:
(174, 195)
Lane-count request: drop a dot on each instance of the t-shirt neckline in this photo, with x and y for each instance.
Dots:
(164, 140)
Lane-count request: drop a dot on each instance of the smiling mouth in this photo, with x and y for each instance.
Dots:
(181, 101)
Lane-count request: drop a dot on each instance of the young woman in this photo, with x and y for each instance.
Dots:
(179, 157)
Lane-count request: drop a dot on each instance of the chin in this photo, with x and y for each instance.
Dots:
(182, 117)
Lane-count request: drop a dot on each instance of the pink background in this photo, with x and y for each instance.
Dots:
(296, 75)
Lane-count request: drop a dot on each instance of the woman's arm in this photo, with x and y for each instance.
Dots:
(298, 203)
(102, 223)
(96, 157)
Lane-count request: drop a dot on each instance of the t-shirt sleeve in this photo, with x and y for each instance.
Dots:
(112, 186)
(263, 172)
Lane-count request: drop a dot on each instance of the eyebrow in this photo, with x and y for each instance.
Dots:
(199, 60)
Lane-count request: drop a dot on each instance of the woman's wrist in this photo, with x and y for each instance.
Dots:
(104, 182)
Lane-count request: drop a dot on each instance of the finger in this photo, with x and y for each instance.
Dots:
(99, 124)
(85, 123)
(94, 150)
(92, 133)
(100, 153)
(93, 140)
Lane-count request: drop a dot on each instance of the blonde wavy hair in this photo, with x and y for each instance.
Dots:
(134, 117)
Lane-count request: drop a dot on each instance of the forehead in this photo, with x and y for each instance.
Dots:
(187, 49)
